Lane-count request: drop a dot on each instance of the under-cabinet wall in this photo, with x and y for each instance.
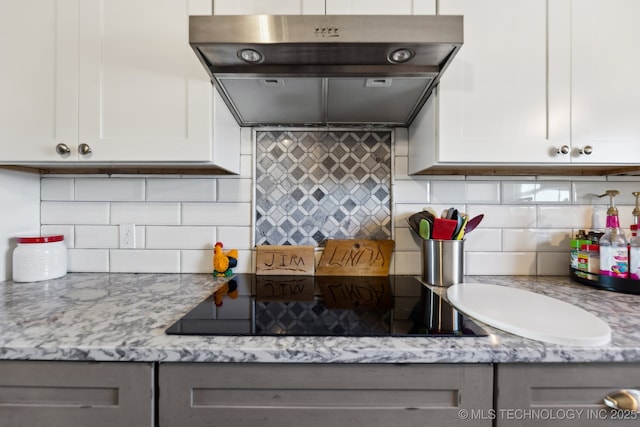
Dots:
(19, 213)
(526, 230)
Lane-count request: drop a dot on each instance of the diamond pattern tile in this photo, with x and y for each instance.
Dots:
(316, 185)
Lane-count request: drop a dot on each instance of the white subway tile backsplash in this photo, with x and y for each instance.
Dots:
(109, 189)
(407, 263)
(74, 213)
(235, 237)
(156, 213)
(216, 214)
(406, 240)
(465, 192)
(504, 216)
(413, 191)
(484, 240)
(181, 190)
(88, 260)
(587, 192)
(196, 261)
(401, 142)
(500, 263)
(97, 236)
(575, 216)
(66, 230)
(144, 261)
(177, 237)
(60, 189)
(553, 240)
(401, 164)
(514, 240)
(553, 263)
(235, 190)
(528, 192)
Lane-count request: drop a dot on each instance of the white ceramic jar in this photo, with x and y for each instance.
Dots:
(39, 258)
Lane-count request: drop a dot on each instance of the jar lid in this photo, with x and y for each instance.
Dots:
(41, 239)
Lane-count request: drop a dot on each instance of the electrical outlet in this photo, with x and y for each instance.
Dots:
(127, 236)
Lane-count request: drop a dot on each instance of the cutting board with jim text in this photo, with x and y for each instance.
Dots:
(355, 257)
(285, 260)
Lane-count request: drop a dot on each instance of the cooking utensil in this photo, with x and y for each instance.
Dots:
(460, 231)
(414, 220)
(443, 228)
(473, 223)
(425, 229)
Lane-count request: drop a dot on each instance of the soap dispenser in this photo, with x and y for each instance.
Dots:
(614, 254)
(634, 243)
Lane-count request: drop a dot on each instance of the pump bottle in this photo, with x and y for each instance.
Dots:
(614, 254)
(634, 243)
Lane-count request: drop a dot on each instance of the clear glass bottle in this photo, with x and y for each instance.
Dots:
(614, 253)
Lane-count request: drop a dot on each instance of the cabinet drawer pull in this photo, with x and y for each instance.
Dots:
(84, 149)
(564, 149)
(625, 400)
(587, 150)
(62, 149)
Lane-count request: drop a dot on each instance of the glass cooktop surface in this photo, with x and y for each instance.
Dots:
(325, 306)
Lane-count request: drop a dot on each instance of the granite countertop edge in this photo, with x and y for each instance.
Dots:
(122, 317)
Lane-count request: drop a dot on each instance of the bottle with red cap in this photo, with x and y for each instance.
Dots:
(39, 258)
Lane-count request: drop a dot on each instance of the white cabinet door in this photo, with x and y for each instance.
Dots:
(505, 97)
(38, 79)
(268, 7)
(381, 7)
(143, 94)
(605, 81)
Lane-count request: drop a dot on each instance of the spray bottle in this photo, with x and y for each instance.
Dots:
(634, 243)
(614, 254)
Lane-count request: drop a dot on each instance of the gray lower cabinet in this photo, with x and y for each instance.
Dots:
(70, 394)
(563, 394)
(279, 395)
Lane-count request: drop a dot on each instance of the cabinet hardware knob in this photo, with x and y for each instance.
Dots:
(62, 149)
(564, 149)
(84, 149)
(625, 400)
(587, 150)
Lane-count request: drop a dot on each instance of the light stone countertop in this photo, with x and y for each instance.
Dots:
(122, 317)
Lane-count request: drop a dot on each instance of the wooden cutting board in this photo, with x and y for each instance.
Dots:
(356, 258)
(285, 260)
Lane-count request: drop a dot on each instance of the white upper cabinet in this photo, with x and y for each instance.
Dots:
(38, 78)
(381, 7)
(536, 83)
(268, 7)
(117, 84)
(605, 75)
(505, 97)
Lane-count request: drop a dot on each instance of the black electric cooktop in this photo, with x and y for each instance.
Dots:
(325, 306)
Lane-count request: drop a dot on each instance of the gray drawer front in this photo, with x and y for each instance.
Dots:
(564, 394)
(321, 395)
(68, 394)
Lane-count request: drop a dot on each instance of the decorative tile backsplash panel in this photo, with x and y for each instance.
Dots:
(315, 185)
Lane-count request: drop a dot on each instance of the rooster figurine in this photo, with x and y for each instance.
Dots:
(224, 262)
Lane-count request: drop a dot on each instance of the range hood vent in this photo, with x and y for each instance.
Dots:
(304, 70)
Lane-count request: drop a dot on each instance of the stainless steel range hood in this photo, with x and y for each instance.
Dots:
(325, 70)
